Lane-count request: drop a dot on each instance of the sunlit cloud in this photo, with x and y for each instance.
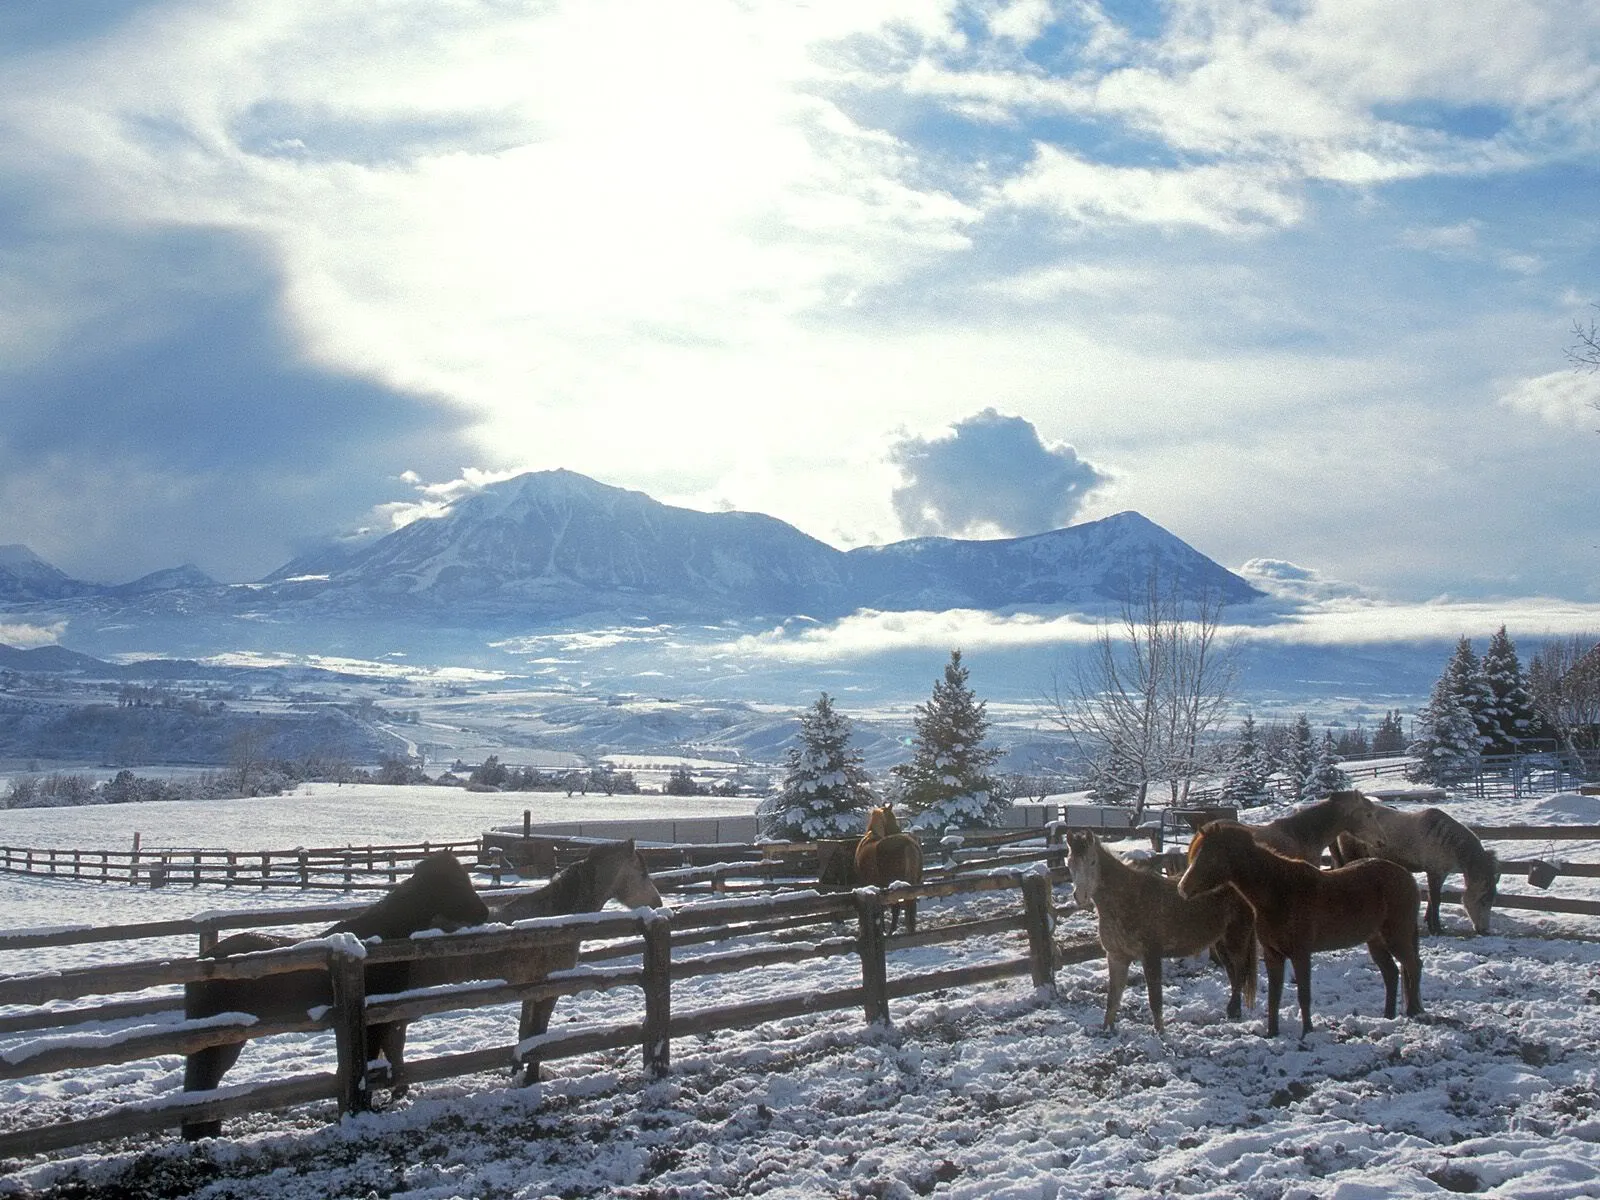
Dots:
(24, 636)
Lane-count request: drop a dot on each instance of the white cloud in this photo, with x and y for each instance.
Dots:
(1329, 622)
(25, 636)
(1565, 399)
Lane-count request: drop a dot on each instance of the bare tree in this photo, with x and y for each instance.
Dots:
(1151, 689)
(1564, 678)
(1584, 353)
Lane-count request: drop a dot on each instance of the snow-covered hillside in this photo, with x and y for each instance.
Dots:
(991, 1091)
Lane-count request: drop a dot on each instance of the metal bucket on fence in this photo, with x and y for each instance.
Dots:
(1542, 874)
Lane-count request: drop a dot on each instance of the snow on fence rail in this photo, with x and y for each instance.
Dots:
(649, 935)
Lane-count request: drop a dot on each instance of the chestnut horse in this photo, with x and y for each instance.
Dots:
(885, 855)
(1434, 842)
(1307, 832)
(613, 871)
(1300, 909)
(437, 893)
(1141, 916)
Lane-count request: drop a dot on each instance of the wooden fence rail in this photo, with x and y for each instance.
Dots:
(655, 937)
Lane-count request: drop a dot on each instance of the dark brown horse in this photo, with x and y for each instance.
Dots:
(1434, 842)
(1142, 917)
(1308, 832)
(437, 894)
(1300, 909)
(885, 855)
(613, 871)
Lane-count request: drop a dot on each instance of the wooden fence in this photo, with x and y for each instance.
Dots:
(651, 936)
(334, 868)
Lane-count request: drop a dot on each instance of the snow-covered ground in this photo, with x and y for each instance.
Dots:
(993, 1091)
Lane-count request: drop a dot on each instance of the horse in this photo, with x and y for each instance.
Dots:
(437, 893)
(1142, 916)
(613, 871)
(1434, 842)
(886, 855)
(1307, 832)
(1300, 909)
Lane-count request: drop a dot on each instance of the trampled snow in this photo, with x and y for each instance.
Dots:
(989, 1091)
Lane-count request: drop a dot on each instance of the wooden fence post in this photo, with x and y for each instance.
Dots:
(348, 876)
(233, 868)
(305, 871)
(346, 970)
(266, 870)
(196, 881)
(657, 993)
(133, 860)
(1038, 909)
(869, 944)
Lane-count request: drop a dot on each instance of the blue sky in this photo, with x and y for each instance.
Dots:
(1294, 280)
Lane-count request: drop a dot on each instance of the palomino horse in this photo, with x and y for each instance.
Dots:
(1435, 843)
(437, 893)
(1300, 909)
(885, 855)
(613, 871)
(1142, 917)
(1307, 832)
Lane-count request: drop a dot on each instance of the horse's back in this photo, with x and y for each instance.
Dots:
(893, 859)
(1366, 898)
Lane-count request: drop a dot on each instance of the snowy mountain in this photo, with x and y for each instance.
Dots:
(556, 544)
(25, 576)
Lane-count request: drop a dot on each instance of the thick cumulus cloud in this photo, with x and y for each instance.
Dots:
(990, 476)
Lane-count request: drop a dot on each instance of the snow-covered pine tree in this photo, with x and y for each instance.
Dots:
(1298, 758)
(826, 792)
(1445, 738)
(1470, 687)
(1390, 736)
(1249, 767)
(1113, 778)
(1326, 777)
(1513, 718)
(947, 782)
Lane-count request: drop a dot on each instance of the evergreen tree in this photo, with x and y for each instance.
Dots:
(1446, 739)
(1298, 758)
(1512, 715)
(948, 782)
(1326, 775)
(1390, 736)
(1249, 767)
(1113, 776)
(1467, 683)
(825, 792)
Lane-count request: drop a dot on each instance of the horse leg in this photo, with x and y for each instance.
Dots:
(1152, 986)
(535, 1021)
(1435, 886)
(202, 1071)
(1391, 974)
(1302, 988)
(1116, 980)
(1274, 987)
(390, 1042)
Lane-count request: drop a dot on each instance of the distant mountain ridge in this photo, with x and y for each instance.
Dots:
(556, 544)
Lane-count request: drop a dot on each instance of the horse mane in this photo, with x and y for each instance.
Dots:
(563, 894)
(1450, 833)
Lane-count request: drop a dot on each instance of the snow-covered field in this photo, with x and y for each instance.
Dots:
(993, 1091)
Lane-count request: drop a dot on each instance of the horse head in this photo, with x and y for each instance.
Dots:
(622, 876)
(881, 822)
(1083, 861)
(1213, 853)
(1482, 885)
